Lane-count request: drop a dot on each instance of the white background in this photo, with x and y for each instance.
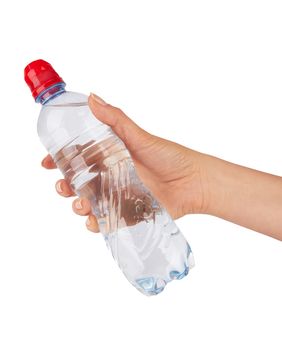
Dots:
(206, 74)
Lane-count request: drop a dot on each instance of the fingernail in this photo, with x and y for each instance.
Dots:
(98, 99)
(59, 187)
(78, 204)
(88, 222)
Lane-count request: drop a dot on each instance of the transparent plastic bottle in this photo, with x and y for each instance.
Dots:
(144, 240)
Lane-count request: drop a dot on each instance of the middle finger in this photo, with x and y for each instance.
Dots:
(64, 189)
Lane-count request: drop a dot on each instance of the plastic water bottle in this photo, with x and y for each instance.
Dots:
(144, 240)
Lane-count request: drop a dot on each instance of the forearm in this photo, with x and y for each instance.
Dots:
(247, 197)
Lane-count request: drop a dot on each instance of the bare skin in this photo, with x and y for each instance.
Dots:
(186, 181)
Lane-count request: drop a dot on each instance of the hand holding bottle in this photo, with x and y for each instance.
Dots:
(172, 172)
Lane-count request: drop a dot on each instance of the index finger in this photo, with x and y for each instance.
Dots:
(48, 162)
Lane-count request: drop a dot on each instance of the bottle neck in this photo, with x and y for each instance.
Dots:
(50, 93)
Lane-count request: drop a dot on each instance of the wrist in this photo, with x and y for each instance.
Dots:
(225, 186)
(198, 188)
(211, 172)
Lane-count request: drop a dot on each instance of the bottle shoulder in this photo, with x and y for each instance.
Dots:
(66, 98)
(66, 117)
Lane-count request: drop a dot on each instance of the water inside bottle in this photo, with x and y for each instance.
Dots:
(143, 239)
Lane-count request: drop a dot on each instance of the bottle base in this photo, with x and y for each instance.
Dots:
(152, 286)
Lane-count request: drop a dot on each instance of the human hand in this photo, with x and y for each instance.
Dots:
(172, 172)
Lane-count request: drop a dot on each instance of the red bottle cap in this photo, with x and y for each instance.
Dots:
(40, 75)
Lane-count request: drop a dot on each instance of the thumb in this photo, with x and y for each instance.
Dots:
(130, 133)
